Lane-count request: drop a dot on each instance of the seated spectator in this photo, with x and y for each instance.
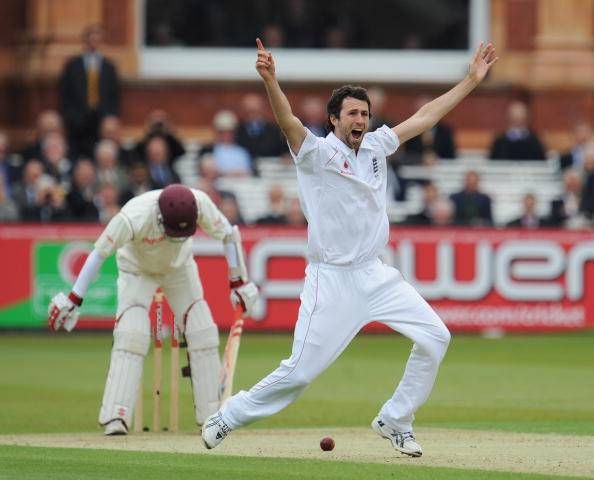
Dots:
(159, 125)
(158, 160)
(313, 115)
(442, 212)
(336, 37)
(587, 200)
(295, 216)
(108, 202)
(230, 158)
(377, 98)
(424, 217)
(277, 211)
(139, 181)
(8, 207)
(436, 210)
(163, 36)
(81, 197)
(111, 129)
(529, 218)
(471, 206)
(38, 196)
(108, 168)
(566, 209)
(273, 35)
(48, 121)
(255, 133)
(229, 206)
(51, 201)
(207, 178)
(56, 163)
(574, 158)
(518, 142)
(436, 143)
(10, 167)
(26, 192)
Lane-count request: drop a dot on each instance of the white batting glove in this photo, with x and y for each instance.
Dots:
(244, 294)
(63, 311)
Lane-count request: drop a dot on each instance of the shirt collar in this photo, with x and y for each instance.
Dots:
(343, 147)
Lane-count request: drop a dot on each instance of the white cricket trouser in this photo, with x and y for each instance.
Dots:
(131, 334)
(181, 286)
(336, 303)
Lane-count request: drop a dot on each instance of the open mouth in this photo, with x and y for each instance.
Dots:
(357, 134)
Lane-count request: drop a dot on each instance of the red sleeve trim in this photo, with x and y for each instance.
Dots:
(74, 298)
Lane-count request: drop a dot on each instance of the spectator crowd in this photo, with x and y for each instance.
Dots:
(78, 167)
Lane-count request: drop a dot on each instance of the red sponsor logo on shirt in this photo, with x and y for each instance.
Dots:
(152, 241)
(346, 169)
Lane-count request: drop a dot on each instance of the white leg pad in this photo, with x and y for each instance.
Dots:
(131, 341)
(202, 337)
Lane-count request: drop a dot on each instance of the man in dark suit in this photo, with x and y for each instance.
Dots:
(438, 140)
(48, 122)
(518, 142)
(255, 133)
(575, 158)
(89, 90)
(158, 160)
(424, 217)
(472, 207)
(529, 218)
(567, 208)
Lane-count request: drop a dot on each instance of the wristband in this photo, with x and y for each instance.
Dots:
(235, 282)
(74, 298)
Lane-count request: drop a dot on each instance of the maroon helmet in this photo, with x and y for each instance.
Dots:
(178, 211)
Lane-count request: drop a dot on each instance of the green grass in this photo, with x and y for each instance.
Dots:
(54, 383)
(29, 463)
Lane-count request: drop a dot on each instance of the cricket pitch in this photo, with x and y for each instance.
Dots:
(550, 454)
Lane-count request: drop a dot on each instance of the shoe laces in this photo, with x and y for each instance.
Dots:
(220, 424)
(402, 437)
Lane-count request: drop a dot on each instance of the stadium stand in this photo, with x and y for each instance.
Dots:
(506, 182)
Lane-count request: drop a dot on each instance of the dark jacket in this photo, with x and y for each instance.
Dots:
(528, 147)
(472, 208)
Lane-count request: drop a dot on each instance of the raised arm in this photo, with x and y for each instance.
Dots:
(429, 114)
(291, 126)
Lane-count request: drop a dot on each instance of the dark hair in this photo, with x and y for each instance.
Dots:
(335, 103)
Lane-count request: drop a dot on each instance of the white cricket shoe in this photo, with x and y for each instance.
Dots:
(116, 427)
(214, 430)
(404, 442)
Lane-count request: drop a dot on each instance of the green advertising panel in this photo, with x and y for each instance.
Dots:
(55, 268)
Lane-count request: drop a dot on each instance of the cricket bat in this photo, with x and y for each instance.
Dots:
(230, 355)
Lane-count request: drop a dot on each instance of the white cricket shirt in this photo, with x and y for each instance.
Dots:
(140, 241)
(343, 196)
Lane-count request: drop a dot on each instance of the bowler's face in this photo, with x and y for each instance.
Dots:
(352, 123)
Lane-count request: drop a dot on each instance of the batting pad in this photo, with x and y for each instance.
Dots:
(205, 364)
(130, 346)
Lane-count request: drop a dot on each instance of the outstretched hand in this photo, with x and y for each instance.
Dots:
(264, 62)
(482, 61)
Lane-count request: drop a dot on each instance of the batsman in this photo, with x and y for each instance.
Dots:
(151, 237)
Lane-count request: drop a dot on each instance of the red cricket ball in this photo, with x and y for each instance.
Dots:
(327, 444)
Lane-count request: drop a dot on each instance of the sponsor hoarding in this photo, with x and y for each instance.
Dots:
(476, 280)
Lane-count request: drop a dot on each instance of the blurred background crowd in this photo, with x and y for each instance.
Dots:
(78, 166)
